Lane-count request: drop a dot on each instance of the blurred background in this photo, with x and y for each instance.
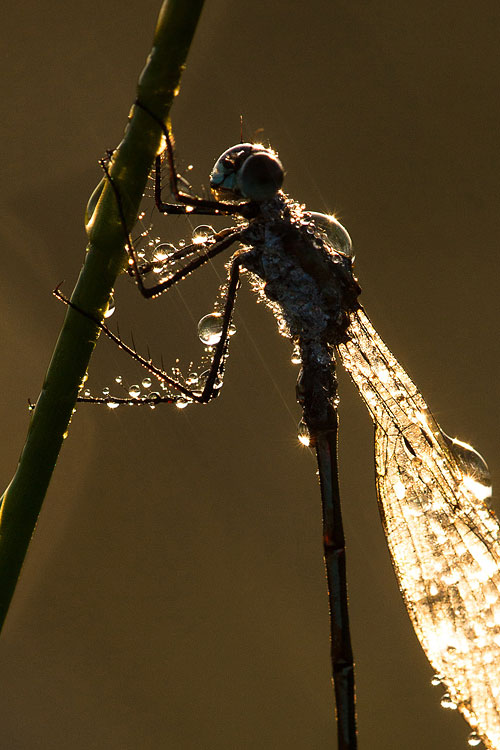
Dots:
(174, 594)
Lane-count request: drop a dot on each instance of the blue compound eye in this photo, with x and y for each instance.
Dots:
(260, 176)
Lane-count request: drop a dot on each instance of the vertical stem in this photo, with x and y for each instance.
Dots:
(105, 259)
(317, 392)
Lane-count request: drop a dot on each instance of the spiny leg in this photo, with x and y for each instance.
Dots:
(219, 242)
(187, 204)
(222, 240)
(209, 389)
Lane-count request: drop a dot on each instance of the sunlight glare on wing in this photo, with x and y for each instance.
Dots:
(443, 538)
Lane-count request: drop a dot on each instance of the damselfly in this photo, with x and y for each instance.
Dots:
(443, 538)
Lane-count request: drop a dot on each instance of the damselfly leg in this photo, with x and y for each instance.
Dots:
(219, 340)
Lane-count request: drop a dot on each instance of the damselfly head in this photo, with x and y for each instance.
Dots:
(247, 171)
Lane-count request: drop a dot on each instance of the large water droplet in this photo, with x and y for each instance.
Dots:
(146, 383)
(112, 405)
(202, 233)
(181, 403)
(134, 391)
(336, 234)
(303, 433)
(210, 329)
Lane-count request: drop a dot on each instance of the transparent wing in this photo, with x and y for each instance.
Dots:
(443, 539)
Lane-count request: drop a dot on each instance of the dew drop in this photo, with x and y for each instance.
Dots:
(119, 379)
(182, 243)
(448, 702)
(86, 392)
(296, 359)
(473, 739)
(112, 405)
(134, 391)
(203, 377)
(105, 391)
(146, 383)
(163, 251)
(437, 679)
(181, 403)
(210, 329)
(334, 231)
(110, 308)
(303, 433)
(192, 378)
(477, 478)
(202, 233)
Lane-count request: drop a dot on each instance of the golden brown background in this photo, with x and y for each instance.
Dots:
(173, 595)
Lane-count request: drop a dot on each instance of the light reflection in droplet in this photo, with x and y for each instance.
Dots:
(448, 702)
(303, 433)
(210, 329)
(202, 233)
(473, 739)
(110, 308)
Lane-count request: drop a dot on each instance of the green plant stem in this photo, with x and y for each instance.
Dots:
(105, 259)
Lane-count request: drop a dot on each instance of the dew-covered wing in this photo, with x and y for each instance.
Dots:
(442, 536)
